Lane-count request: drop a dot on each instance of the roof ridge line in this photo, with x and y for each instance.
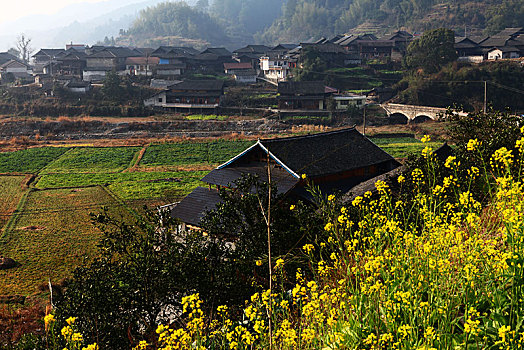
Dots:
(311, 135)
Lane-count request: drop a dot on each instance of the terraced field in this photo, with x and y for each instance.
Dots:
(11, 190)
(51, 236)
(51, 232)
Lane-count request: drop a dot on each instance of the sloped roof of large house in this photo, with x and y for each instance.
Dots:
(253, 49)
(6, 57)
(326, 153)
(121, 52)
(219, 51)
(205, 85)
(316, 156)
(509, 32)
(175, 51)
(14, 63)
(321, 154)
(52, 53)
(301, 88)
(194, 206)
(324, 47)
(284, 47)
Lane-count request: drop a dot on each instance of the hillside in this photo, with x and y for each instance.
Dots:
(241, 21)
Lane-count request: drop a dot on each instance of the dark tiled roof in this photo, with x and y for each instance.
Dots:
(327, 153)
(325, 47)
(281, 47)
(227, 175)
(219, 51)
(115, 52)
(253, 49)
(193, 208)
(6, 57)
(49, 52)
(199, 85)
(301, 88)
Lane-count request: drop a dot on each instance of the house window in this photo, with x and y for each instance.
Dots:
(359, 102)
(344, 102)
(160, 99)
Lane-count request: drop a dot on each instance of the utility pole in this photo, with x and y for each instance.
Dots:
(485, 96)
(364, 128)
(268, 222)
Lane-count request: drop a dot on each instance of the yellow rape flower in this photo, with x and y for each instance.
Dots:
(279, 263)
(425, 139)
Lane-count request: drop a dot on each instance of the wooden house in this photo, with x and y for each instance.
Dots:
(189, 95)
(335, 161)
(301, 95)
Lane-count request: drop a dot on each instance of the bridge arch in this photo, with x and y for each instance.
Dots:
(421, 118)
(398, 118)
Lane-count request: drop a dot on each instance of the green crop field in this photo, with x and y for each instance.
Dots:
(51, 236)
(52, 232)
(130, 185)
(93, 160)
(11, 192)
(188, 153)
(403, 146)
(31, 160)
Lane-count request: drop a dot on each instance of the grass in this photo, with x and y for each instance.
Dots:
(189, 153)
(93, 160)
(207, 117)
(12, 191)
(52, 236)
(31, 160)
(131, 185)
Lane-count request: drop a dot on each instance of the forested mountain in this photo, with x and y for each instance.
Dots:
(236, 22)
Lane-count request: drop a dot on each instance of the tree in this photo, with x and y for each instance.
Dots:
(312, 65)
(143, 270)
(433, 50)
(112, 89)
(23, 45)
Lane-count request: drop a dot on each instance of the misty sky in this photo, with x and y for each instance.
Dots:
(12, 10)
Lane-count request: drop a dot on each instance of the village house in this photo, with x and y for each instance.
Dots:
(346, 100)
(142, 65)
(301, 95)
(335, 161)
(6, 57)
(107, 59)
(242, 72)
(45, 57)
(276, 67)
(189, 95)
(468, 50)
(17, 69)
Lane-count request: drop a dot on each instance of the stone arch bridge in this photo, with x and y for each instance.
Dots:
(412, 112)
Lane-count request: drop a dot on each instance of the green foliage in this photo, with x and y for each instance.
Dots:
(112, 89)
(31, 160)
(142, 272)
(240, 214)
(462, 84)
(312, 64)
(433, 50)
(93, 160)
(177, 19)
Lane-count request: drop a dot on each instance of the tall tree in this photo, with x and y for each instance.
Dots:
(23, 45)
(433, 50)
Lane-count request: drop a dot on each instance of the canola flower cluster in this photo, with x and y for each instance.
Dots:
(70, 335)
(440, 272)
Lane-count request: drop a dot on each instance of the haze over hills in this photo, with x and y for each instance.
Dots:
(81, 23)
(237, 22)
